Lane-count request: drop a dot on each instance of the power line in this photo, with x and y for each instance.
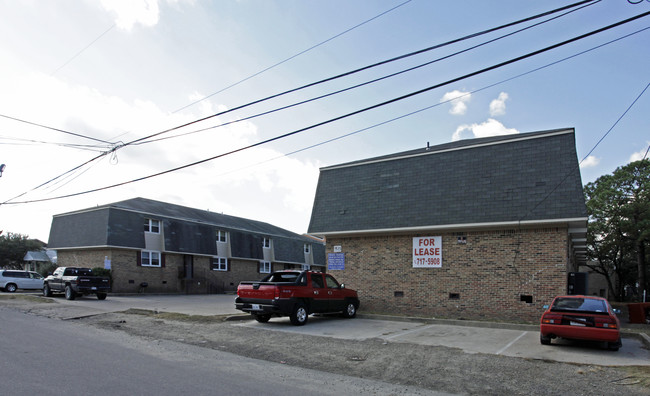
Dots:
(363, 69)
(119, 145)
(292, 57)
(442, 103)
(577, 168)
(82, 50)
(513, 60)
(364, 83)
(55, 129)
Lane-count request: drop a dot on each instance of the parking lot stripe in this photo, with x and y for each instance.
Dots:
(500, 351)
(408, 332)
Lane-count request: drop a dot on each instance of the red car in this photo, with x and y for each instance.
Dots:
(581, 318)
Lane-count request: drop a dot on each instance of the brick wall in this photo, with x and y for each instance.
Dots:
(127, 275)
(485, 278)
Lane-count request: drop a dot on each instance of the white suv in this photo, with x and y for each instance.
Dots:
(11, 280)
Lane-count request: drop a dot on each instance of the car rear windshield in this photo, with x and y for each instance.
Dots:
(579, 305)
(288, 277)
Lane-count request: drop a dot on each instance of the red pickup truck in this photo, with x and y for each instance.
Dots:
(296, 294)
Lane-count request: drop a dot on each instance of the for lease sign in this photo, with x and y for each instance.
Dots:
(427, 252)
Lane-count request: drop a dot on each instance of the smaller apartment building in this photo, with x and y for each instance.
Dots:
(176, 249)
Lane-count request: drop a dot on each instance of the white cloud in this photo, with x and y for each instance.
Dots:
(639, 155)
(491, 127)
(458, 100)
(590, 162)
(498, 105)
(131, 12)
(247, 184)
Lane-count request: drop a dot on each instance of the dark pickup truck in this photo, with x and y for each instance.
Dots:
(296, 294)
(75, 281)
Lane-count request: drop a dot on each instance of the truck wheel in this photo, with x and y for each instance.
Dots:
(101, 296)
(10, 288)
(47, 292)
(299, 314)
(262, 318)
(350, 310)
(544, 340)
(69, 293)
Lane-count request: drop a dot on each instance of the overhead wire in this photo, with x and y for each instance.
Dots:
(472, 92)
(291, 57)
(119, 145)
(364, 83)
(82, 50)
(493, 67)
(55, 129)
(404, 56)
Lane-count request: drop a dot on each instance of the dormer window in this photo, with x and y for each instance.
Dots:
(307, 248)
(266, 243)
(221, 236)
(151, 225)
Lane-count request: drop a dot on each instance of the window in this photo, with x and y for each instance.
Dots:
(307, 248)
(219, 264)
(150, 258)
(317, 280)
(265, 267)
(151, 225)
(266, 244)
(221, 236)
(331, 282)
(305, 267)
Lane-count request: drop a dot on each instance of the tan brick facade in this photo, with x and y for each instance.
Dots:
(494, 275)
(170, 278)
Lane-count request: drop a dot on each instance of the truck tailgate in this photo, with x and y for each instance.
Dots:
(257, 291)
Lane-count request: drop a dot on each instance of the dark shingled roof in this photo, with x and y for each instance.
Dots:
(523, 177)
(189, 230)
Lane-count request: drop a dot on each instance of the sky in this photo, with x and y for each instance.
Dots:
(85, 83)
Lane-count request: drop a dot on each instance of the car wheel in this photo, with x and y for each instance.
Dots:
(69, 293)
(299, 314)
(10, 288)
(101, 296)
(262, 318)
(47, 292)
(350, 310)
(614, 346)
(544, 340)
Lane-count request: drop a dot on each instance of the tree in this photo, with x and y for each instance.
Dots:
(13, 248)
(619, 225)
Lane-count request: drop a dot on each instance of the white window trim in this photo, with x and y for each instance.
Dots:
(222, 235)
(266, 243)
(307, 248)
(263, 265)
(305, 267)
(150, 226)
(224, 263)
(151, 253)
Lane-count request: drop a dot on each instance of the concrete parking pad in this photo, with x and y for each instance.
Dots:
(516, 342)
(506, 342)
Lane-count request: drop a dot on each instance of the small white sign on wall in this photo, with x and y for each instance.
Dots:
(427, 252)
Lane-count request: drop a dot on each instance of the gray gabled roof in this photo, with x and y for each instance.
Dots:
(186, 230)
(526, 177)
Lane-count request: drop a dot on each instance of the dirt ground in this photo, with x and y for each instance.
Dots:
(430, 367)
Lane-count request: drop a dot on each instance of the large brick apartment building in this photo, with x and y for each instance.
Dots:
(176, 249)
(476, 229)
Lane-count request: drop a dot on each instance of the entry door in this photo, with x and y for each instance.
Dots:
(188, 266)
